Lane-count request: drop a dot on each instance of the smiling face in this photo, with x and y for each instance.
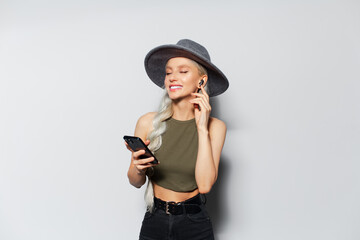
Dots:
(182, 78)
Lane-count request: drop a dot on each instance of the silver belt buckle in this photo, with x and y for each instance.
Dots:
(167, 207)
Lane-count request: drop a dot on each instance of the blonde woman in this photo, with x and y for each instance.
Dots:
(184, 138)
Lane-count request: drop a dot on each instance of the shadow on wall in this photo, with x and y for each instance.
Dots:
(216, 200)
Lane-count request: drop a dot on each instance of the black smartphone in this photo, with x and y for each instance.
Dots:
(136, 144)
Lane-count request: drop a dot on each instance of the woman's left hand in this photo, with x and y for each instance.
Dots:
(201, 116)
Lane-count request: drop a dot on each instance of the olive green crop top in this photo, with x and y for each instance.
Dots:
(177, 156)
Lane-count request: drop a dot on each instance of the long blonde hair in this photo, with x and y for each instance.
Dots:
(159, 127)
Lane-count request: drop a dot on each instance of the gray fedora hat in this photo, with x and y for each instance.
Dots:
(156, 59)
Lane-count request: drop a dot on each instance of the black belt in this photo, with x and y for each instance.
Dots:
(191, 206)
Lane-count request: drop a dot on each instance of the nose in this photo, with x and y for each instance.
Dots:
(172, 77)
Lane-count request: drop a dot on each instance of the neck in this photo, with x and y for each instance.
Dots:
(183, 110)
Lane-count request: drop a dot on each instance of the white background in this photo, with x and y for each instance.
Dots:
(73, 83)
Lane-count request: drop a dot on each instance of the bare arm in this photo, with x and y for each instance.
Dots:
(138, 167)
(210, 145)
(211, 134)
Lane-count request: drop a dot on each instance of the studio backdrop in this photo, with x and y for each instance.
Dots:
(72, 83)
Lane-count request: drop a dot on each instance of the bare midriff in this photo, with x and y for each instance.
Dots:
(170, 195)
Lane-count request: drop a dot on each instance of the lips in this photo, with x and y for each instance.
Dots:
(175, 87)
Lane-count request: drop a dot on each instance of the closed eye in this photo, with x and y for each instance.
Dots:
(183, 71)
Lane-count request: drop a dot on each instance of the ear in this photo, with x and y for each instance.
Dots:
(204, 78)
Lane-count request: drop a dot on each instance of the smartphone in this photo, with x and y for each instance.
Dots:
(136, 144)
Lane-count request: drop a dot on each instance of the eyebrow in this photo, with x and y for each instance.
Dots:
(181, 66)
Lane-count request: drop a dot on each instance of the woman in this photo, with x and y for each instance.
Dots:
(184, 138)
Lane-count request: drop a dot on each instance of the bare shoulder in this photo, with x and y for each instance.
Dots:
(216, 124)
(146, 118)
(144, 125)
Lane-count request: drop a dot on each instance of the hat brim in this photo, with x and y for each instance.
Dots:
(156, 59)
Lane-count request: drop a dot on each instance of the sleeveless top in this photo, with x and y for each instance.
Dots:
(177, 156)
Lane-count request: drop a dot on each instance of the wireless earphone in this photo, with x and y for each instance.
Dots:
(199, 89)
(200, 84)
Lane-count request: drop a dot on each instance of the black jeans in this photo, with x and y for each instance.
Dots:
(161, 226)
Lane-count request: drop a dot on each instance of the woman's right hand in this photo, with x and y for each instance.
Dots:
(141, 164)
